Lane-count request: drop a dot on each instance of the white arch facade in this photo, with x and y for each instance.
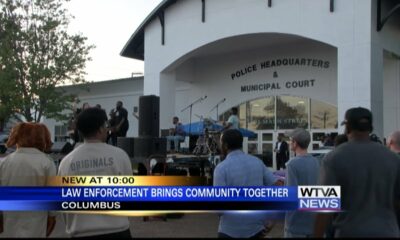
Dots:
(198, 58)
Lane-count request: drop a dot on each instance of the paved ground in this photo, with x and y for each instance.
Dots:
(189, 226)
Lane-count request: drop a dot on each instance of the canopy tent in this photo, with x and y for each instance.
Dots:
(197, 128)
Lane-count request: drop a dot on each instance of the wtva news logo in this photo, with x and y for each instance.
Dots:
(319, 198)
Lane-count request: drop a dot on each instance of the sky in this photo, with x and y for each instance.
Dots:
(108, 24)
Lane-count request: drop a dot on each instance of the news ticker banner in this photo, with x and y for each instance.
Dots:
(159, 194)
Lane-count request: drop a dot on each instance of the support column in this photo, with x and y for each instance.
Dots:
(167, 99)
(377, 88)
(360, 81)
(151, 85)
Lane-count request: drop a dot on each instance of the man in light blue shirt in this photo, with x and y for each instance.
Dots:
(233, 120)
(301, 170)
(240, 169)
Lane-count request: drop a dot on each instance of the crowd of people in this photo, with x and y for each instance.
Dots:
(367, 172)
(30, 166)
(117, 123)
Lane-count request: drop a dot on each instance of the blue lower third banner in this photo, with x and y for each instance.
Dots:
(164, 199)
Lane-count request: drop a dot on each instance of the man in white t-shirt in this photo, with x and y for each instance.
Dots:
(95, 157)
(233, 120)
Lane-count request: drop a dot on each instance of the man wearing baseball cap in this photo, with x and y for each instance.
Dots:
(369, 176)
(303, 169)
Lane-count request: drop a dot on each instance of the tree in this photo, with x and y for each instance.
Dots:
(36, 56)
(8, 89)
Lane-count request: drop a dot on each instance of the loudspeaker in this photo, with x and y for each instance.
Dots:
(144, 147)
(149, 116)
(127, 145)
(192, 142)
(61, 147)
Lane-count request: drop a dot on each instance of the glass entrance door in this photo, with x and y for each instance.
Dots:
(262, 147)
(264, 144)
(266, 147)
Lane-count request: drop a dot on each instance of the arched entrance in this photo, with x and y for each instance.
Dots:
(247, 67)
(273, 115)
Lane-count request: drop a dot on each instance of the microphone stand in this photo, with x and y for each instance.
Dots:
(216, 107)
(190, 106)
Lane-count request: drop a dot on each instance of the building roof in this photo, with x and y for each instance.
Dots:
(134, 48)
(104, 82)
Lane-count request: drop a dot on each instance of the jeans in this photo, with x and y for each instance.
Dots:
(176, 139)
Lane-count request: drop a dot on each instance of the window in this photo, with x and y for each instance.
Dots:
(60, 133)
(289, 113)
(253, 148)
(267, 137)
(261, 114)
(242, 116)
(292, 112)
(323, 115)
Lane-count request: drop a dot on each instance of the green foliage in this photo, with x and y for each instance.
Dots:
(37, 55)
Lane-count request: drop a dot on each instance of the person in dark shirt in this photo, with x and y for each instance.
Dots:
(121, 120)
(369, 177)
(282, 152)
(340, 139)
(393, 143)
